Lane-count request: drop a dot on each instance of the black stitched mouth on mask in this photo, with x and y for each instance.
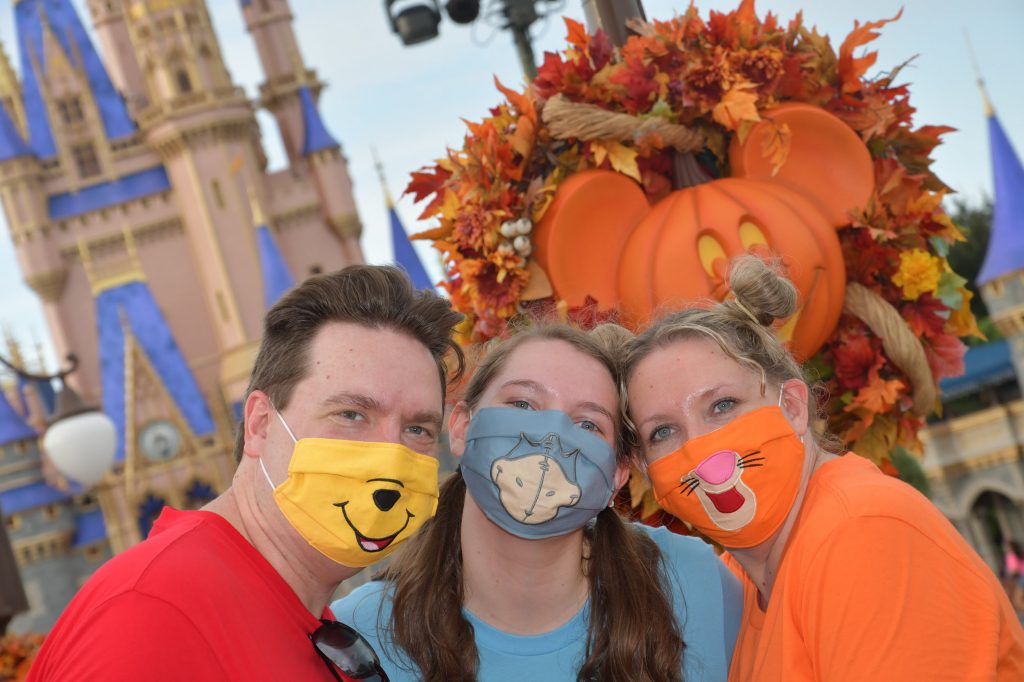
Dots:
(368, 544)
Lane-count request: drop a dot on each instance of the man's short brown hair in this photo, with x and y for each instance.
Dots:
(375, 296)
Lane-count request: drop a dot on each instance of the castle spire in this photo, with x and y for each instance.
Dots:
(1006, 245)
(403, 252)
(10, 92)
(277, 278)
(37, 23)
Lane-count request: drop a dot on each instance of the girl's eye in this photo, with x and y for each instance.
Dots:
(520, 404)
(722, 406)
(588, 425)
(660, 433)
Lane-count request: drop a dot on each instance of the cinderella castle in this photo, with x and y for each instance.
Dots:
(136, 191)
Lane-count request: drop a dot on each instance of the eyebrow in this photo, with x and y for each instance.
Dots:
(662, 416)
(432, 418)
(371, 404)
(357, 399)
(386, 480)
(589, 405)
(526, 383)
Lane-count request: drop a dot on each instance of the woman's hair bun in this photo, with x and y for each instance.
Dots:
(612, 338)
(760, 290)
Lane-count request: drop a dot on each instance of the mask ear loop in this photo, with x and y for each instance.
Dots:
(781, 391)
(294, 440)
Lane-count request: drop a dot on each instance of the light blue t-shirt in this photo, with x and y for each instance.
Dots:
(707, 599)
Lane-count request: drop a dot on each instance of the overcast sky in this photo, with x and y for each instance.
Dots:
(408, 102)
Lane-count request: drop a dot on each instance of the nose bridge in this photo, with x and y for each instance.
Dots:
(386, 498)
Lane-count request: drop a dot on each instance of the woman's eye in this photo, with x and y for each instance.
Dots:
(520, 404)
(723, 405)
(660, 433)
(588, 425)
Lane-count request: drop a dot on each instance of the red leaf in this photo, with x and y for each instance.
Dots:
(945, 356)
(923, 315)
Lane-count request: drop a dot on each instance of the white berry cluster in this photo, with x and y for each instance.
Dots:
(517, 238)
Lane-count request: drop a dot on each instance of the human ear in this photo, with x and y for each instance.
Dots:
(458, 424)
(795, 396)
(255, 421)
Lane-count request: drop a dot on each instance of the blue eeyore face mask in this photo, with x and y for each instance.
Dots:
(536, 474)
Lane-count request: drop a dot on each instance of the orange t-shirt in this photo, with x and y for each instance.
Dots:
(876, 584)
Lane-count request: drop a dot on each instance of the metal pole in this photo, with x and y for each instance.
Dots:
(519, 16)
(611, 16)
(524, 47)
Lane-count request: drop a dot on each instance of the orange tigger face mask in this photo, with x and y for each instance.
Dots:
(736, 484)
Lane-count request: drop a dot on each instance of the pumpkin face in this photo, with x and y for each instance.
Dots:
(681, 252)
(600, 238)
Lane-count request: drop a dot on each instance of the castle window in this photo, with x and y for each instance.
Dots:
(86, 161)
(198, 494)
(315, 270)
(70, 110)
(184, 82)
(50, 512)
(148, 511)
(94, 552)
(13, 523)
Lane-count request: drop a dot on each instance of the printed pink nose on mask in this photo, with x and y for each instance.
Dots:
(717, 468)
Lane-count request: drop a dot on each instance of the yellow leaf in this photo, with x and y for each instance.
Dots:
(650, 505)
(736, 106)
(877, 443)
(623, 159)
(962, 322)
(638, 485)
(775, 147)
(599, 151)
(522, 139)
(450, 206)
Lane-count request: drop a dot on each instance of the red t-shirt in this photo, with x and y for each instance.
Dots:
(195, 601)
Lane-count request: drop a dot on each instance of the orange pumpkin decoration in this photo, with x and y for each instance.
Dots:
(600, 238)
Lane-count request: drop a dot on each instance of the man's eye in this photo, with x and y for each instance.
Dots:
(351, 415)
(520, 404)
(722, 406)
(420, 431)
(660, 433)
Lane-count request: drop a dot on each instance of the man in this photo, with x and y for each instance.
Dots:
(336, 452)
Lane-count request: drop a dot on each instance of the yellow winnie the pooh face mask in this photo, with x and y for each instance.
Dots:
(355, 501)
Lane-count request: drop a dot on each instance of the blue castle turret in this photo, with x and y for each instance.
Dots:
(1001, 278)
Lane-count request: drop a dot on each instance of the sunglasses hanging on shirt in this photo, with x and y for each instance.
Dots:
(340, 645)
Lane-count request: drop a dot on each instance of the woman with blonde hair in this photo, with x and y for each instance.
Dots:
(526, 572)
(848, 574)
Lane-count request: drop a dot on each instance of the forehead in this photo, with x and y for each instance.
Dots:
(345, 356)
(558, 366)
(684, 366)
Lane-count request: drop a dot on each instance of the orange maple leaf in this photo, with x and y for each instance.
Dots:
(736, 106)
(852, 68)
(879, 394)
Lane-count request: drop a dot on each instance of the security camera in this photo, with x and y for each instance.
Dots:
(463, 11)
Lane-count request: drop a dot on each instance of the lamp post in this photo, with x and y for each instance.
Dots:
(80, 439)
(416, 21)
